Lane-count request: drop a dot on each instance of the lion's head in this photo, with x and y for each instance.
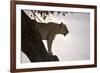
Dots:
(63, 29)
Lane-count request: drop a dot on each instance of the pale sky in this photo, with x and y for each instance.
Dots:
(76, 45)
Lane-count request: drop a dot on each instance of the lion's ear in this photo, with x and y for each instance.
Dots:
(61, 24)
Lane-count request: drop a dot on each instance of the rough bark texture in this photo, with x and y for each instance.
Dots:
(31, 41)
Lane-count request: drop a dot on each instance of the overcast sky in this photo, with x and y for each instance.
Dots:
(76, 45)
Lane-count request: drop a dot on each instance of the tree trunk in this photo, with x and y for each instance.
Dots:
(31, 41)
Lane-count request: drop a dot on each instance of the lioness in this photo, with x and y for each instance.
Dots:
(49, 30)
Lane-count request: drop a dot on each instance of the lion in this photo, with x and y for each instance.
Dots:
(49, 30)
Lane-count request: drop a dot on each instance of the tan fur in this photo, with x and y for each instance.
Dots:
(48, 32)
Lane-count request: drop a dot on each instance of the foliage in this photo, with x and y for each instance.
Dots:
(45, 14)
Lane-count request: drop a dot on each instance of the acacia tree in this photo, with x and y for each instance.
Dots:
(45, 14)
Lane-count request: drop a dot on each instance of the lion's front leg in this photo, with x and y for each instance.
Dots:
(49, 44)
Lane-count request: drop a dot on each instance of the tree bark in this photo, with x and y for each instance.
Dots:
(31, 41)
